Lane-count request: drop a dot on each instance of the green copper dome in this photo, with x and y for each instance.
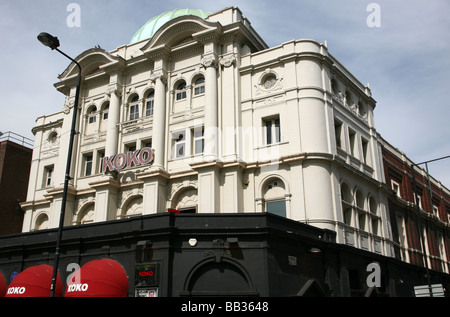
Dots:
(152, 26)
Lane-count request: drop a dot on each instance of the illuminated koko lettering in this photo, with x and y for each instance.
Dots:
(122, 160)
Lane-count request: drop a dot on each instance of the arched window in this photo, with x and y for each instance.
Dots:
(199, 86)
(346, 197)
(274, 197)
(105, 111)
(134, 108)
(360, 208)
(41, 222)
(375, 219)
(92, 115)
(181, 91)
(150, 103)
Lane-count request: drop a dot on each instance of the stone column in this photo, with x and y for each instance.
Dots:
(211, 108)
(112, 132)
(159, 119)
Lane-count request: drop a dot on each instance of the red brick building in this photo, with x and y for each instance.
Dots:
(15, 161)
(431, 213)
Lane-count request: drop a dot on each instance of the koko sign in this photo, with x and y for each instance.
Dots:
(131, 159)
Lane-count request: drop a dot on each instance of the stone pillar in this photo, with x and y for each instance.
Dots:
(230, 124)
(159, 119)
(105, 199)
(211, 108)
(112, 132)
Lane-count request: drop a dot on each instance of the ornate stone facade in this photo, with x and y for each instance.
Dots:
(236, 127)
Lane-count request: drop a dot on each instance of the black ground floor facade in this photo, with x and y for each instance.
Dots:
(258, 255)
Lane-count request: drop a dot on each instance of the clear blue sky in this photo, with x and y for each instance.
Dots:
(405, 60)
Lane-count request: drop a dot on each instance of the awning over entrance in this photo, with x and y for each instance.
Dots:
(98, 278)
(3, 285)
(34, 281)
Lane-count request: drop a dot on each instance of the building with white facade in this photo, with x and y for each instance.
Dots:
(233, 126)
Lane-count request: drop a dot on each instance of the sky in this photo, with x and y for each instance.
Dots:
(400, 47)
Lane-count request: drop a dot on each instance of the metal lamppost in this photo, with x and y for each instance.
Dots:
(420, 218)
(53, 43)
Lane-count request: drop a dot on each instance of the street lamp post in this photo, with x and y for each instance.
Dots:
(53, 43)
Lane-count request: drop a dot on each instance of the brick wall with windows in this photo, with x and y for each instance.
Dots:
(15, 163)
(431, 212)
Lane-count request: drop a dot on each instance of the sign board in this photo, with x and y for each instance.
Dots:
(146, 292)
(424, 290)
(146, 274)
(124, 160)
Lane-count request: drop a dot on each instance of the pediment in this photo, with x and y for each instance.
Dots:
(183, 29)
(91, 61)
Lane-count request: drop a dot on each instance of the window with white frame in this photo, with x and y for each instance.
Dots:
(418, 200)
(338, 133)
(150, 104)
(275, 197)
(100, 157)
(134, 108)
(435, 210)
(87, 163)
(199, 86)
(180, 144)
(352, 139)
(395, 187)
(48, 174)
(181, 91)
(146, 143)
(92, 116)
(272, 132)
(105, 111)
(199, 140)
(365, 151)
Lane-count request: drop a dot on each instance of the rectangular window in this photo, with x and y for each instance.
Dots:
(365, 149)
(436, 210)
(87, 164)
(352, 137)
(418, 200)
(105, 112)
(100, 156)
(146, 143)
(48, 174)
(276, 207)
(199, 87)
(272, 130)
(199, 141)
(134, 112)
(180, 144)
(92, 118)
(131, 147)
(338, 132)
(396, 187)
(149, 107)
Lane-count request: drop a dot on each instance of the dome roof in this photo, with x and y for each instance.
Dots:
(152, 26)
